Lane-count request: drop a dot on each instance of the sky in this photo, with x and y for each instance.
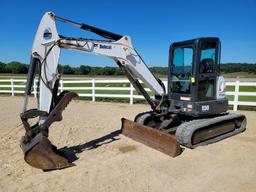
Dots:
(152, 25)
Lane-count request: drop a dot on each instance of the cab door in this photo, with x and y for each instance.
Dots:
(208, 69)
(181, 71)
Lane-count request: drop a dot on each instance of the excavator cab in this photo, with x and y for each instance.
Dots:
(193, 82)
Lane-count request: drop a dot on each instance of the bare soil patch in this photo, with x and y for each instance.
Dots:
(111, 162)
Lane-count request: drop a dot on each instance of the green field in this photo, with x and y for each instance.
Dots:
(65, 76)
(123, 92)
(239, 74)
(242, 89)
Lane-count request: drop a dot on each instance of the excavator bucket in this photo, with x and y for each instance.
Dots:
(41, 154)
(159, 140)
(38, 151)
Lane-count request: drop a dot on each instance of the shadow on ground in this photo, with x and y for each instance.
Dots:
(70, 152)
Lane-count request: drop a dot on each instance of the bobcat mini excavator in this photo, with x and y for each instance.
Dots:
(191, 112)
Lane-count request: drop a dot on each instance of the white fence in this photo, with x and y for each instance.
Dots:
(17, 86)
(237, 93)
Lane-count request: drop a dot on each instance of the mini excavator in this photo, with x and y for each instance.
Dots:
(190, 111)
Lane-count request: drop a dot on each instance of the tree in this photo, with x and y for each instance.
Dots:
(96, 71)
(66, 69)
(159, 70)
(108, 71)
(118, 71)
(21, 68)
(84, 70)
(2, 67)
(16, 67)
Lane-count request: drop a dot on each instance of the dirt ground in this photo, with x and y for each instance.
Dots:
(122, 164)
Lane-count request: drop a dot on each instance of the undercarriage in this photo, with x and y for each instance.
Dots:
(193, 132)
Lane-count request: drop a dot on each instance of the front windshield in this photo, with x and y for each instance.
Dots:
(182, 69)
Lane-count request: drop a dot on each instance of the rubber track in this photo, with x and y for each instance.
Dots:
(185, 131)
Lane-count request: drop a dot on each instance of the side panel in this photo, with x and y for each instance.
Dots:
(221, 86)
(199, 109)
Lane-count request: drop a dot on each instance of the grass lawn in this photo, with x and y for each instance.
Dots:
(239, 74)
(123, 85)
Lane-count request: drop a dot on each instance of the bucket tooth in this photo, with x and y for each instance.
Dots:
(159, 140)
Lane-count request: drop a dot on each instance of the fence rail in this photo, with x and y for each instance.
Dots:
(90, 88)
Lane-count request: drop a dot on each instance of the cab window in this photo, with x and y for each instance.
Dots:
(207, 58)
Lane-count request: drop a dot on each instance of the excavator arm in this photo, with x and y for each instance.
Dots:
(45, 57)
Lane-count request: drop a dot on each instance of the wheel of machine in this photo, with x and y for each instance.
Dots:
(148, 119)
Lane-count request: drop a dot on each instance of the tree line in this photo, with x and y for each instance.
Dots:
(16, 67)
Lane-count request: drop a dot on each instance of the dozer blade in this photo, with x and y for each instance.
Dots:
(41, 154)
(151, 137)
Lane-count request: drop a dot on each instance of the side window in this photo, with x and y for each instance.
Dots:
(207, 58)
(205, 89)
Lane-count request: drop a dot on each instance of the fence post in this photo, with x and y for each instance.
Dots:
(93, 89)
(236, 96)
(12, 87)
(131, 94)
(35, 88)
(61, 85)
